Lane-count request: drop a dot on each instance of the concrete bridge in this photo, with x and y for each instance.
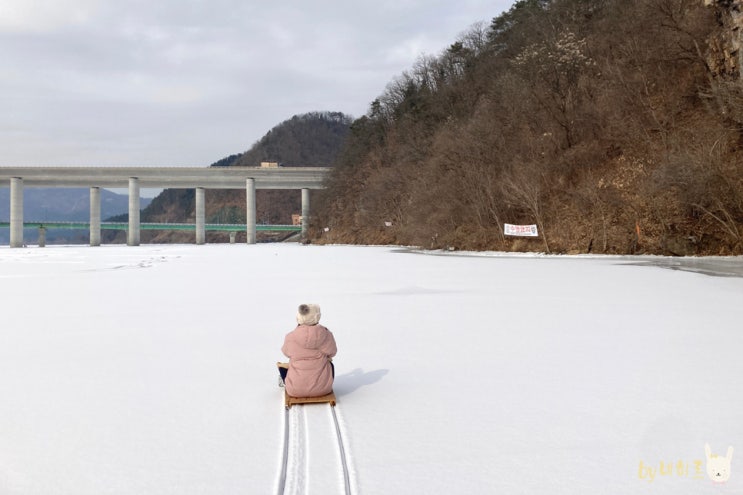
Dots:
(134, 178)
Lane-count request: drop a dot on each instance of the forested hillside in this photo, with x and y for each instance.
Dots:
(308, 140)
(613, 125)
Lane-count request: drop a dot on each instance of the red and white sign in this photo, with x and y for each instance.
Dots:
(521, 230)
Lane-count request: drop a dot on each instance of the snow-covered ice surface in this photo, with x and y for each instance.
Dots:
(150, 370)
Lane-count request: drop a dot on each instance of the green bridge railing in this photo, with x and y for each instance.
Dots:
(223, 227)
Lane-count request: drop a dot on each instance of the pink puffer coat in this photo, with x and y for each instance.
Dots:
(309, 349)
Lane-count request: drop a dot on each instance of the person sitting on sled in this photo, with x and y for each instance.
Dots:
(310, 348)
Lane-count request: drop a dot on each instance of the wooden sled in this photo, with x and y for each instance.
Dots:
(289, 401)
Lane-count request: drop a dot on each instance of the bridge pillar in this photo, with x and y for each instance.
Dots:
(95, 216)
(132, 238)
(250, 211)
(305, 212)
(200, 216)
(16, 212)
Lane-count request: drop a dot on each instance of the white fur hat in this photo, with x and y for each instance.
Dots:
(308, 314)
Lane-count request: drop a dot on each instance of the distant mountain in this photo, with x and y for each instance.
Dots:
(312, 139)
(63, 205)
(309, 140)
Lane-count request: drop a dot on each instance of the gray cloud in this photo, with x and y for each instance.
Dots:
(187, 82)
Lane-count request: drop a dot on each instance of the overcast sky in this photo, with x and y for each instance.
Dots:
(188, 82)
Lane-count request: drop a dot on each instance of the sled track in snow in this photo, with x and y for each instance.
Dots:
(295, 473)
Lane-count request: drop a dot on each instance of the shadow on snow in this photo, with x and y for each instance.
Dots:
(347, 383)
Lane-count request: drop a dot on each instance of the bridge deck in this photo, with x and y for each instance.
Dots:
(168, 177)
(157, 226)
